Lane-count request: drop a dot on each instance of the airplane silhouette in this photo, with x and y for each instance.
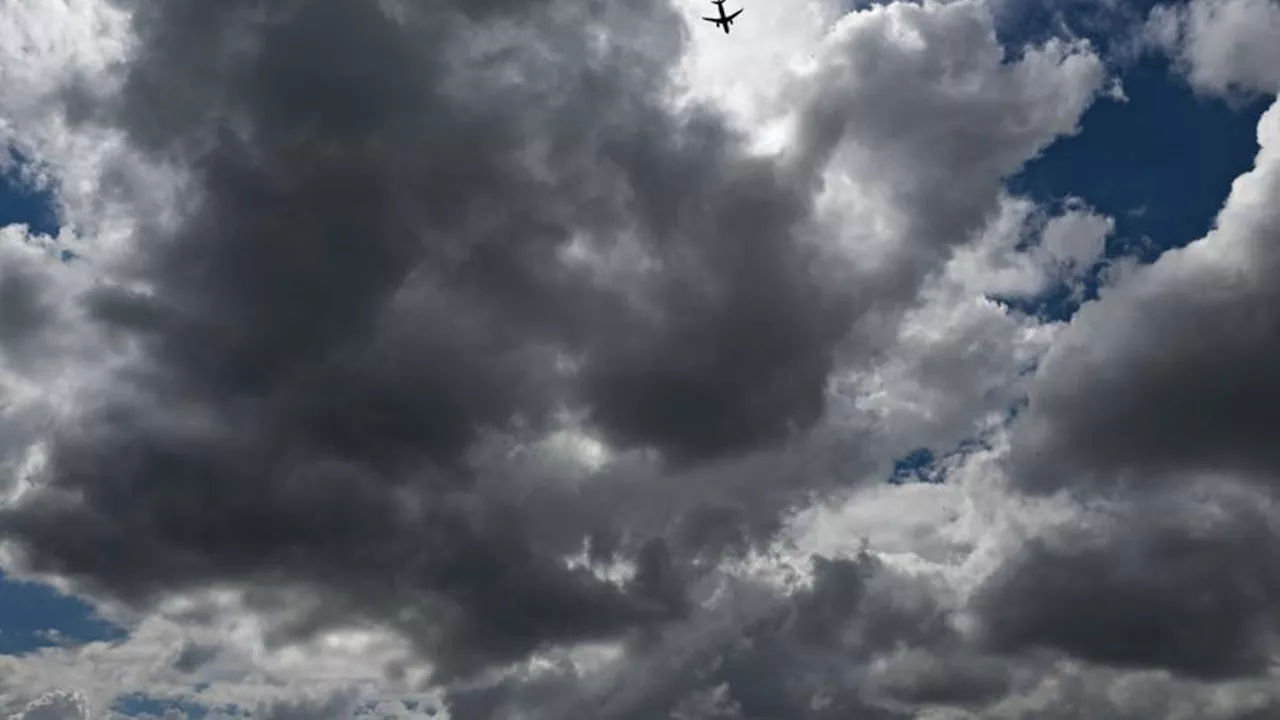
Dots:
(723, 21)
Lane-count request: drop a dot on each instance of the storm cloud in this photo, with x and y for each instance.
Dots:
(388, 249)
(1158, 404)
(469, 341)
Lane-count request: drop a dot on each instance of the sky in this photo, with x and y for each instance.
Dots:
(528, 359)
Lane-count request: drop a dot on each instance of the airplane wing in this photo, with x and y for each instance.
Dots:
(713, 20)
(735, 14)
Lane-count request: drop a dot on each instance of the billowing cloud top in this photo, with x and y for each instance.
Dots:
(543, 359)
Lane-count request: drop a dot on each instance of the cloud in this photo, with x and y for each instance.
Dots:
(372, 269)
(1188, 585)
(53, 706)
(807, 656)
(907, 147)
(1223, 47)
(24, 295)
(1075, 240)
(490, 350)
(1167, 373)
(1153, 407)
(1090, 692)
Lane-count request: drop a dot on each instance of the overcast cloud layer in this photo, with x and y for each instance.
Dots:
(545, 359)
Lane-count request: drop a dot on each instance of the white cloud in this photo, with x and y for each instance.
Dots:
(1225, 46)
(1076, 240)
(55, 705)
(241, 669)
(48, 52)
(917, 172)
(746, 73)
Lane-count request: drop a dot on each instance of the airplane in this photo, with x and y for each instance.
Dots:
(723, 21)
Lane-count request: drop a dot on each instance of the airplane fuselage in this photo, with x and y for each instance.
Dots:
(724, 21)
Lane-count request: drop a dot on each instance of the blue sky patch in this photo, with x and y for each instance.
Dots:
(34, 615)
(141, 704)
(913, 467)
(1161, 163)
(22, 203)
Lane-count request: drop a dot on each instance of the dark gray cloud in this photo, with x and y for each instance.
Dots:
(28, 308)
(1188, 585)
(837, 649)
(372, 270)
(956, 679)
(342, 704)
(1172, 372)
(1095, 692)
(23, 308)
(28, 318)
(193, 656)
(410, 234)
(1159, 403)
(1191, 389)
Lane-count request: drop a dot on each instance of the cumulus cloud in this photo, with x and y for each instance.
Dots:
(1168, 373)
(397, 232)
(56, 705)
(1188, 587)
(487, 360)
(1154, 406)
(1224, 46)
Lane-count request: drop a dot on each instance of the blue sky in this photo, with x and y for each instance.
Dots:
(29, 611)
(141, 704)
(1160, 164)
(20, 203)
